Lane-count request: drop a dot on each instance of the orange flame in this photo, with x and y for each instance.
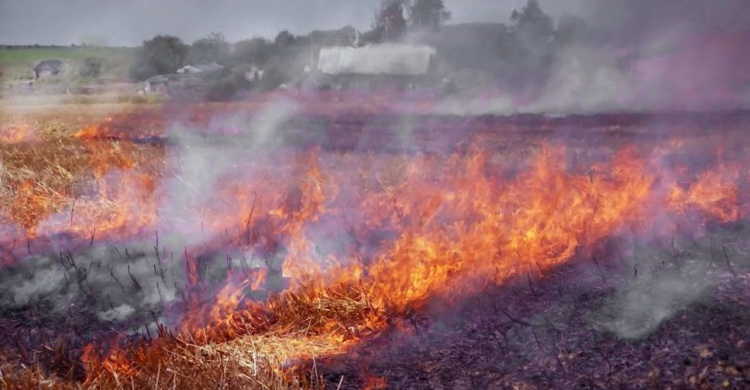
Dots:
(418, 228)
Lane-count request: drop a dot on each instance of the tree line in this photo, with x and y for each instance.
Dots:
(524, 50)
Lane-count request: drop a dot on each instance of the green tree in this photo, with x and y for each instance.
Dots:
(254, 51)
(428, 14)
(163, 54)
(91, 67)
(212, 48)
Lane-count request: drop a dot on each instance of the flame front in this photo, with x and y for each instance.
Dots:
(365, 237)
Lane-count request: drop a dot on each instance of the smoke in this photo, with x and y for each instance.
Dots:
(629, 56)
(124, 284)
(231, 147)
(101, 280)
(658, 278)
(654, 288)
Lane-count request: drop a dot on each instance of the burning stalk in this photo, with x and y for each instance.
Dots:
(249, 218)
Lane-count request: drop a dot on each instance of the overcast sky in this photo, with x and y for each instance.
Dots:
(129, 22)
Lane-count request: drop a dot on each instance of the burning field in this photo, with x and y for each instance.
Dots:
(294, 246)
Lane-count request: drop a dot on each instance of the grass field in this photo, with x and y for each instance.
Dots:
(56, 177)
(17, 63)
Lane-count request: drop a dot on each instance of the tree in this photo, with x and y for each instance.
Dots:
(428, 14)
(532, 50)
(254, 51)
(91, 67)
(284, 39)
(163, 54)
(532, 23)
(212, 48)
(390, 23)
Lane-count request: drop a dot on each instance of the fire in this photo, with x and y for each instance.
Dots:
(95, 130)
(16, 131)
(714, 192)
(365, 238)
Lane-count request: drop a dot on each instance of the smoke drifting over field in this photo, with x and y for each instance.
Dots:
(634, 56)
(333, 220)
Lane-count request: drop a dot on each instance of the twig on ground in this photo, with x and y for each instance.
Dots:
(517, 321)
(729, 263)
(598, 267)
(531, 286)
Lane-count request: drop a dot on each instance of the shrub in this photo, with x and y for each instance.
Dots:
(91, 67)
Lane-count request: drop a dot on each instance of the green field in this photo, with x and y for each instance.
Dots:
(16, 63)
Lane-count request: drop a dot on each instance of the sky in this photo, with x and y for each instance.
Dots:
(129, 22)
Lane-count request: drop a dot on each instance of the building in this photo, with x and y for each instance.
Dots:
(253, 74)
(376, 66)
(48, 68)
(157, 84)
(201, 69)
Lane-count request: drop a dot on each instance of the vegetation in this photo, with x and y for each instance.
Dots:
(517, 56)
(16, 62)
(429, 14)
(212, 48)
(161, 55)
(389, 23)
(92, 67)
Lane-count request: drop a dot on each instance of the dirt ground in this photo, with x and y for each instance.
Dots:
(570, 330)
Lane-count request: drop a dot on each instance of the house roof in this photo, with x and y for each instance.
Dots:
(157, 79)
(54, 65)
(385, 59)
(212, 67)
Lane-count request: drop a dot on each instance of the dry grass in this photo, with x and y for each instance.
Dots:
(278, 350)
(44, 168)
(268, 347)
(173, 363)
(13, 376)
(41, 179)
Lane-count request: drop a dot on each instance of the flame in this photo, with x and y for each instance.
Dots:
(365, 238)
(15, 131)
(374, 382)
(714, 192)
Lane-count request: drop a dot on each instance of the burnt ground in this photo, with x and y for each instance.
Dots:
(681, 319)
(651, 320)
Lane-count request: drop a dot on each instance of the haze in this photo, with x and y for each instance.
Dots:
(118, 23)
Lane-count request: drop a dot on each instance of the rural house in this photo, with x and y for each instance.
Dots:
(48, 68)
(375, 66)
(201, 69)
(156, 84)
